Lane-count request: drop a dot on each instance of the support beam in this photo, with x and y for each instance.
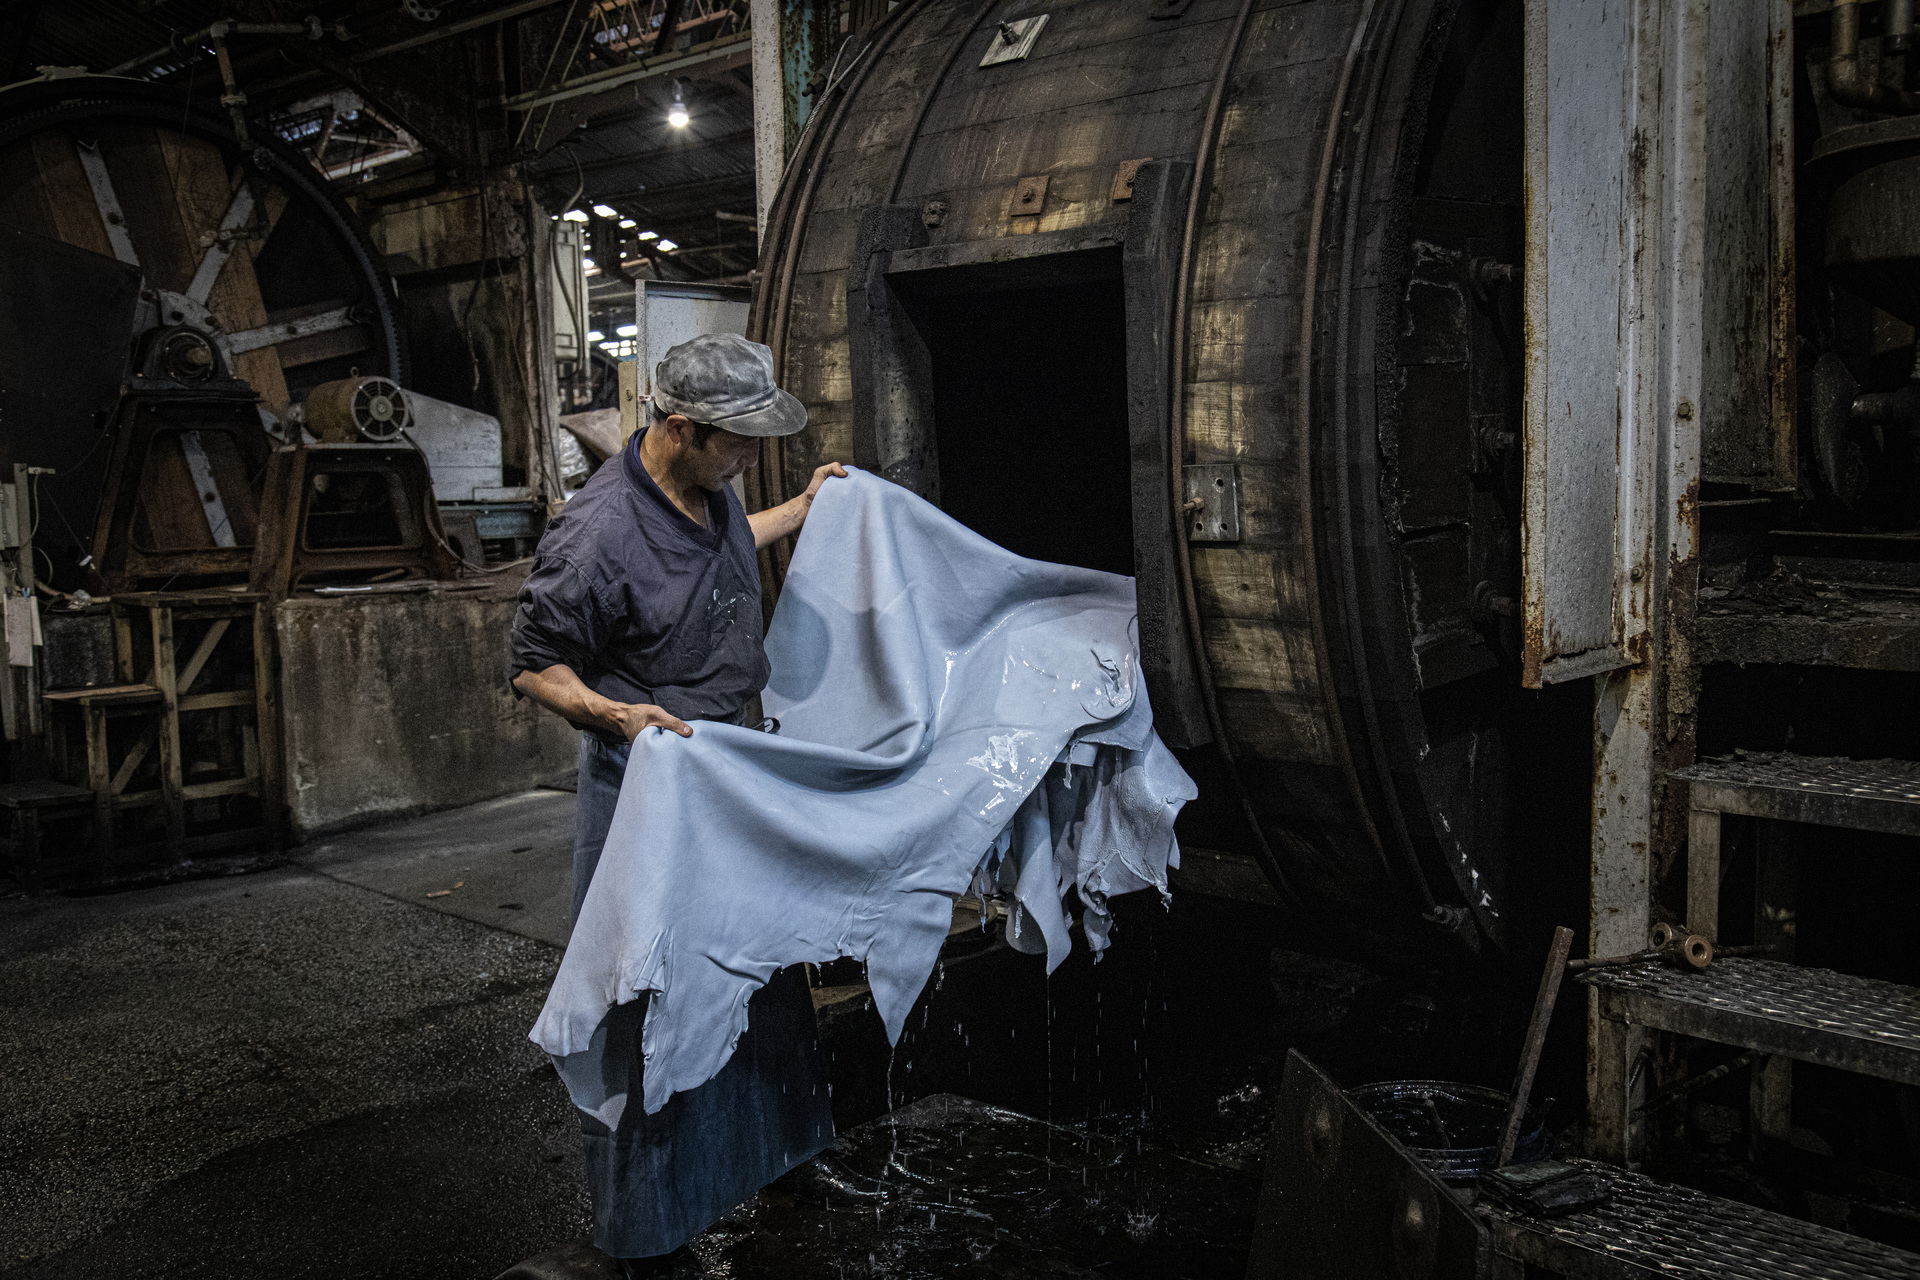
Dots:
(1617, 100)
(789, 40)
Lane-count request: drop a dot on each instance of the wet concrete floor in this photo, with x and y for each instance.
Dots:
(287, 1074)
(321, 1070)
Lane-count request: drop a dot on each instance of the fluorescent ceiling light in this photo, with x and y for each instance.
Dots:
(667, 246)
(628, 330)
(628, 224)
(606, 211)
(575, 215)
(594, 335)
(649, 235)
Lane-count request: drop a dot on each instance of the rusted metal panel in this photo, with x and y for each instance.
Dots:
(1341, 1197)
(1586, 170)
(784, 60)
(1747, 408)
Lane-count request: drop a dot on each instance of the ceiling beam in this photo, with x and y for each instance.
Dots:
(736, 46)
(455, 28)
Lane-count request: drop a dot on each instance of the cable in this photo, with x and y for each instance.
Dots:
(441, 538)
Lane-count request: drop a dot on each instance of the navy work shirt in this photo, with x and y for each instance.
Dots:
(642, 603)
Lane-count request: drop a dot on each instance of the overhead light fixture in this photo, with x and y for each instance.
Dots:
(575, 215)
(628, 224)
(628, 330)
(587, 267)
(666, 246)
(594, 335)
(677, 113)
(649, 235)
(606, 211)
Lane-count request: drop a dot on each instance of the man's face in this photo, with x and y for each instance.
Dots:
(725, 455)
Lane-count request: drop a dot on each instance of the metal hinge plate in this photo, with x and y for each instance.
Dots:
(1029, 198)
(1013, 41)
(1215, 487)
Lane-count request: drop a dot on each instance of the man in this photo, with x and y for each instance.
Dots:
(643, 610)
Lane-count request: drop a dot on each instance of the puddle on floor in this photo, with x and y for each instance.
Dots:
(968, 1189)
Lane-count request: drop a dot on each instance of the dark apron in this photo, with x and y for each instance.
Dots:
(660, 1180)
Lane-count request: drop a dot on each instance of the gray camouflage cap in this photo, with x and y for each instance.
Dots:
(725, 380)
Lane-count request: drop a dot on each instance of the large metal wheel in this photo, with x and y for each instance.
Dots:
(252, 243)
(119, 187)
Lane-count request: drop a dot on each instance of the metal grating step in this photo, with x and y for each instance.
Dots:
(1652, 1228)
(1813, 1015)
(1830, 791)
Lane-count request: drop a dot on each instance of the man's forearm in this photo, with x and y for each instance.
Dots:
(562, 692)
(775, 523)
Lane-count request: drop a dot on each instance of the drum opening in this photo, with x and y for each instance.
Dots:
(1030, 419)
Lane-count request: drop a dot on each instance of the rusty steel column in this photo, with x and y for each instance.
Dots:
(789, 42)
(1613, 445)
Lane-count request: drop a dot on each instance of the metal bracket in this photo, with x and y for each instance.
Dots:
(1013, 41)
(1123, 179)
(1212, 509)
(1029, 197)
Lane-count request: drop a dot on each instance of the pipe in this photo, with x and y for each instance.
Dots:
(312, 29)
(1858, 85)
(453, 29)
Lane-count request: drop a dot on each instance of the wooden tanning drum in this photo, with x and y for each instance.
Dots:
(1222, 294)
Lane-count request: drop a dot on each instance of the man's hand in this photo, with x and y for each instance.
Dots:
(820, 475)
(777, 522)
(630, 718)
(562, 692)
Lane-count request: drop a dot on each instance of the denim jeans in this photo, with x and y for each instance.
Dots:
(602, 769)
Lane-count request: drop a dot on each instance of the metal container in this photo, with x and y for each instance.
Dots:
(1453, 1129)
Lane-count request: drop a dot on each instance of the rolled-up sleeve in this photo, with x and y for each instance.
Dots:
(560, 620)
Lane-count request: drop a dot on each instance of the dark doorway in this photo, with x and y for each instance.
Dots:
(1030, 414)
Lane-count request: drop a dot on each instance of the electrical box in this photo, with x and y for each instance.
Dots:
(667, 313)
(569, 293)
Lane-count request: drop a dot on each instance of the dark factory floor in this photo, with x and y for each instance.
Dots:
(321, 1069)
(312, 1070)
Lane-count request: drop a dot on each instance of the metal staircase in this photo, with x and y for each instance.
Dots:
(1783, 1012)
(1650, 1228)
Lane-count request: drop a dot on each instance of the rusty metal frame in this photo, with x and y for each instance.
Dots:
(1615, 370)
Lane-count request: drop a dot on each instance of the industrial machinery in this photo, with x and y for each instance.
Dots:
(203, 359)
(357, 502)
(1226, 297)
(1493, 401)
(224, 283)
